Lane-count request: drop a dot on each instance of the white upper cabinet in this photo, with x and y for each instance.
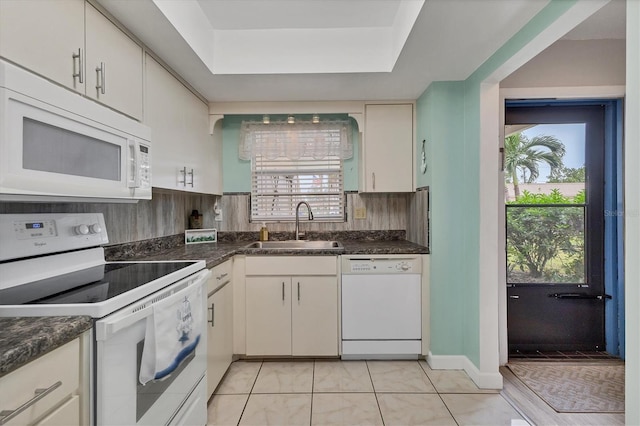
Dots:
(44, 38)
(65, 41)
(184, 150)
(113, 65)
(386, 155)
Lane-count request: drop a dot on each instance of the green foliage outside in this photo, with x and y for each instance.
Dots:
(545, 243)
(567, 175)
(523, 156)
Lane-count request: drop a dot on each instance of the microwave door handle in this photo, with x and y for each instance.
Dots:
(134, 159)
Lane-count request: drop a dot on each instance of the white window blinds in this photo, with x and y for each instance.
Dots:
(277, 186)
(296, 162)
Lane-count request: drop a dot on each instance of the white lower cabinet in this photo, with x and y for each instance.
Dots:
(49, 386)
(268, 315)
(219, 326)
(314, 316)
(291, 315)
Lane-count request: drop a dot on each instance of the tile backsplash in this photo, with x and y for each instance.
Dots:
(167, 213)
(383, 212)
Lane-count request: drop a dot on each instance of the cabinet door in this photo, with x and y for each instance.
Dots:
(388, 149)
(43, 37)
(268, 315)
(179, 124)
(314, 316)
(120, 60)
(217, 357)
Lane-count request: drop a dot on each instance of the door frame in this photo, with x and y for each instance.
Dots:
(538, 93)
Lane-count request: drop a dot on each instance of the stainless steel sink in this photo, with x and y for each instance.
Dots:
(296, 245)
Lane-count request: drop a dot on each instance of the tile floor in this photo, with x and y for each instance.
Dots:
(351, 393)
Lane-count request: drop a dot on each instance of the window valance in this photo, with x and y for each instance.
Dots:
(296, 141)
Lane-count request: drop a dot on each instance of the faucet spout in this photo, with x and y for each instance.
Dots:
(310, 217)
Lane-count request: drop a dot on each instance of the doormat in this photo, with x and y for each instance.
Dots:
(575, 387)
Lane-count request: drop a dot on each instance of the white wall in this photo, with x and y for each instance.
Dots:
(632, 216)
(570, 63)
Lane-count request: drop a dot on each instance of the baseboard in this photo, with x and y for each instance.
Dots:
(461, 362)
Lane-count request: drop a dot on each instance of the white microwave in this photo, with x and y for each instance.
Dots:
(56, 145)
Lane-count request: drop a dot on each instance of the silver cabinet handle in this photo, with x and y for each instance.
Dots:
(298, 291)
(373, 177)
(515, 296)
(283, 291)
(184, 177)
(190, 173)
(101, 77)
(221, 276)
(6, 415)
(78, 74)
(213, 315)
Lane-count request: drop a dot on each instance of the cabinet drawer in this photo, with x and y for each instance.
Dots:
(220, 275)
(291, 265)
(18, 387)
(65, 415)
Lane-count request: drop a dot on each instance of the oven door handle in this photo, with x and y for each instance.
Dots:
(110, 325)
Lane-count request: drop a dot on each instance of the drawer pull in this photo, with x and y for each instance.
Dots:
(6, 415)
(213, 314)
(221, 276)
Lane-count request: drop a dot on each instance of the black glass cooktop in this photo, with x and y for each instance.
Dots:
(91, 285)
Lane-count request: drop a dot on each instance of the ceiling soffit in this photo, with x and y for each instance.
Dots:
(332, 36)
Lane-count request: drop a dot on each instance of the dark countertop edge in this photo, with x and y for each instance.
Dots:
(44, 335)
(217, 253)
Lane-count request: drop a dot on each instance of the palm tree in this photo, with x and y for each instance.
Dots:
(521, 154)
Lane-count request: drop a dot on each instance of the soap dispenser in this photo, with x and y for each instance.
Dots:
(264, 232)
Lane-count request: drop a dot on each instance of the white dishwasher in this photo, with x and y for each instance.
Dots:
(381, 307)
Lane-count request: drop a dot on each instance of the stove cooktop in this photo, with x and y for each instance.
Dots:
(94, 291)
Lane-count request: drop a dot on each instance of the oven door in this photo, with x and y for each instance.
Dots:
(120, 398)
(52, 151)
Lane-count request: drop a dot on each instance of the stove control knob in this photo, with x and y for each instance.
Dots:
(95, 228)
(81, 229)
(404, 266)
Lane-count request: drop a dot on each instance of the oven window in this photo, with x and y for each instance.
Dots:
(51, 149)
(147, 395)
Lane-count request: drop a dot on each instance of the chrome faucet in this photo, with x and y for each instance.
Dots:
(298, 217)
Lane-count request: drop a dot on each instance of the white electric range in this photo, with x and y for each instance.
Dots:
(53, 265)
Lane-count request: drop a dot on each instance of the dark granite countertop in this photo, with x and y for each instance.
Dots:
(354, 243)
(26, 338)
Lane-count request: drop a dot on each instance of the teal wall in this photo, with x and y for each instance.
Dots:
(448, 116)
(440, 120)
(236, 173)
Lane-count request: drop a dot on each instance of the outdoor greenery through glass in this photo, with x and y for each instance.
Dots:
(546, 230)
(545, 241)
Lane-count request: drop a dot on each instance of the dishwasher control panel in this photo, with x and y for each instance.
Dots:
(383, 265)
